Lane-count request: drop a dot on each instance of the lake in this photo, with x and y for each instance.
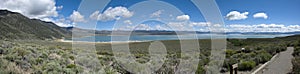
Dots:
(173, 37)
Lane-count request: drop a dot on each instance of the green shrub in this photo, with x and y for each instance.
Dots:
(247, 50)
(262, 57)
(296, 51)
(52, 67)
(237, 42)
(246, 65)
(297, 44)
(72, 57)
(22, 52)
(230, 52)
(39, 60)
(71, 66)
(7, 67)
(229, 62)
(258, 48)
(1, 50)
(296, 65)
(200, 70)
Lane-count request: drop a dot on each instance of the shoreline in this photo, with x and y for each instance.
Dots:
(114, 42)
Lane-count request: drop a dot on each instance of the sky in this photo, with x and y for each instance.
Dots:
(183, 15)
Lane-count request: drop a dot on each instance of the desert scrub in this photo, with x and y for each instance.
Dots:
(246, 65)
(7, 67)
(37, 59)
(296, 60)
(262, 57)
(230, 52)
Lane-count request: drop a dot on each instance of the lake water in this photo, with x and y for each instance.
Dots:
(173, 37)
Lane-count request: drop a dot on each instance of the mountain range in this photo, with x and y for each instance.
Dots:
(14, 25)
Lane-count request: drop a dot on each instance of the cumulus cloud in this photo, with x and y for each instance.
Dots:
(200, 24)
(260, 15)
(235, 15)
(157, 13)
(77, 17)
(95, 15)
(262, 28)
(270, 26)
(112, 14)
(31, 8)
(183, 17)
(294, 27)
(143, 27)
(127, 22)
(178, 26)
(62, 22)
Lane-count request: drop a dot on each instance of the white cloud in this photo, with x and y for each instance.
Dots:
(235, 15)
(179, 26)
(183, 17)
(294, 27)
(208, 26)
(59, 7)
(160, 27)
(77, 17)
(262, 28)
(270, 26)
(31, 8)
(143, 27)
(200, 24)
(260, 15)
(95, 15)
(113, 14)
(157, 13)
(127, 22)
(62, 22)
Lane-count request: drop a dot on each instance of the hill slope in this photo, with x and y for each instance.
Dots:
(16, 26)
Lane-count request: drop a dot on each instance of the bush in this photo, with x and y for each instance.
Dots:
(247, 50)
(22, 52)
(262, 57)
(71, 66)
(7, 67)
(229, 62)
(296, 60)
(1, 51)
(200, 69)
(246, 65)
(296, 52)
(296, 65)
(237, 42)
(230, 52)
(297, 43)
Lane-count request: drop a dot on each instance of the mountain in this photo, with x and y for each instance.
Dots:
(17, 26)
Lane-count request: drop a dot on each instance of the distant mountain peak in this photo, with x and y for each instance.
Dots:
(5, 12)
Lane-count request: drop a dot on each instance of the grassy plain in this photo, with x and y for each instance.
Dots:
(40, 56)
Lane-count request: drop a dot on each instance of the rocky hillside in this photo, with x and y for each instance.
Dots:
(16, 26)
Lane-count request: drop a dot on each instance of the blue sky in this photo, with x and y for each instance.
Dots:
(270, 15)
(279, 11)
